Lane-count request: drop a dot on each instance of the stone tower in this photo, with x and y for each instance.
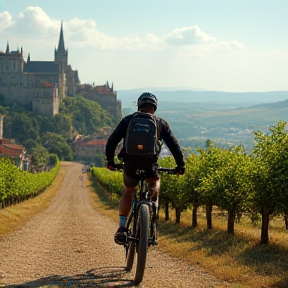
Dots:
(60, 54)
(61, 59)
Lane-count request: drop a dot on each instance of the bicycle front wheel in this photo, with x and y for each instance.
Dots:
(142, 237)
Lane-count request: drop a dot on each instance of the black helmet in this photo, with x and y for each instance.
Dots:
(147, 98)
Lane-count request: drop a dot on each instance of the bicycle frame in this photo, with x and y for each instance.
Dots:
(141, 225)
(143, 197)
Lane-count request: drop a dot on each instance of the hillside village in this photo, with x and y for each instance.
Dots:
(40, 86)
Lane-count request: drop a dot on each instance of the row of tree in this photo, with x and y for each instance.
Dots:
(17, 185)
(232, 179)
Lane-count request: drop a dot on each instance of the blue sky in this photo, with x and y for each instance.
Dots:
(219, 45)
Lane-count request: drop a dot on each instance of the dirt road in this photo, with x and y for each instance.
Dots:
(71, 245)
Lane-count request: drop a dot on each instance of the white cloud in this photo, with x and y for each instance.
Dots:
(5, 20)
(33, 23)
(192, 42)
(83, 33)
(188, 36)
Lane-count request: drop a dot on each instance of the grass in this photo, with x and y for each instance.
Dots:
(239, 260)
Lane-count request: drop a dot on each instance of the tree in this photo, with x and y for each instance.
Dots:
(165, 195)
(56, 144)
(173, 189)
(192, 182)
(29, 145)
(40, 157)
(210, 162)
(228, 183)
(21, 127)
(87, 116)
(269, 196)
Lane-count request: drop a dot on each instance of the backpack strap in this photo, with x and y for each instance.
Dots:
(157, 119)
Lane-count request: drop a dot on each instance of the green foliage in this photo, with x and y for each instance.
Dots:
(88, 118)
(53, 159)
(40, 157)
(271, 170)
(77, 116)
(21, 126)
(56, 144)
(193, 179)
(173, 186)
(167, 185)
(110, 180)
(226, 185)
(17, 185)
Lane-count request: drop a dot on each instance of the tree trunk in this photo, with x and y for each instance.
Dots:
(178, 215)
(231, 221)
(194, 215)
(264, 228)
(209, 216)
(166, 208)
(286, 221)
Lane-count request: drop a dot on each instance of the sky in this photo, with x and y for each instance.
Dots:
(214, 45)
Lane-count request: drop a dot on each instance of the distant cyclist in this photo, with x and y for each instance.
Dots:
(142, 134)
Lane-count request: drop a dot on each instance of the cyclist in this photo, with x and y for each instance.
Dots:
(147, 103)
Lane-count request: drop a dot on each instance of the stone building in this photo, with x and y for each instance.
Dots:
(37, 83)
(40, 84)
(104, 95)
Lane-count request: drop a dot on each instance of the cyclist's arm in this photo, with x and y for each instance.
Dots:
(172, 143)
(115, 138)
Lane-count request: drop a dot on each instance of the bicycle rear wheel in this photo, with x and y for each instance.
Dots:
(142, 246)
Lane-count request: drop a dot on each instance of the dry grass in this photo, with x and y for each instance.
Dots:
(14, 217)
(238, 259)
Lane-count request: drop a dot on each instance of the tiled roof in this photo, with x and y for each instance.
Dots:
(12, 149)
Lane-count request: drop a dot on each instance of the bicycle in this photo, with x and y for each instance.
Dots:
(141, 225)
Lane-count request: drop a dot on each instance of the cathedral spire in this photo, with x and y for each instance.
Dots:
(7, 48)
(61, 46)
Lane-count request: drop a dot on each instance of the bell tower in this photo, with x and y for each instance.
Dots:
(60, 54)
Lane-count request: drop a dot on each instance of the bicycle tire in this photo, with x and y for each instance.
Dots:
(142, 247)
(130, 250)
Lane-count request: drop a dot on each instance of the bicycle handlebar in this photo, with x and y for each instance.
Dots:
(119, 167)
(167, 170)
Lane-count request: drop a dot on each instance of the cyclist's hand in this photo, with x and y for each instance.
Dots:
(111, 165)
(180, 170)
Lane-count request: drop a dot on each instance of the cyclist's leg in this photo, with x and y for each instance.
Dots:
(126, 200)
(130, 188)
(154, 187)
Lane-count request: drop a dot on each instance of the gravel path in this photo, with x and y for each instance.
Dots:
(70, 244)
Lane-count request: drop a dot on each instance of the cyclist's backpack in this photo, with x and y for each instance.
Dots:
(142, 136)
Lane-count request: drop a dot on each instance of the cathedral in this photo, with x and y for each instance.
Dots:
(40, 84)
